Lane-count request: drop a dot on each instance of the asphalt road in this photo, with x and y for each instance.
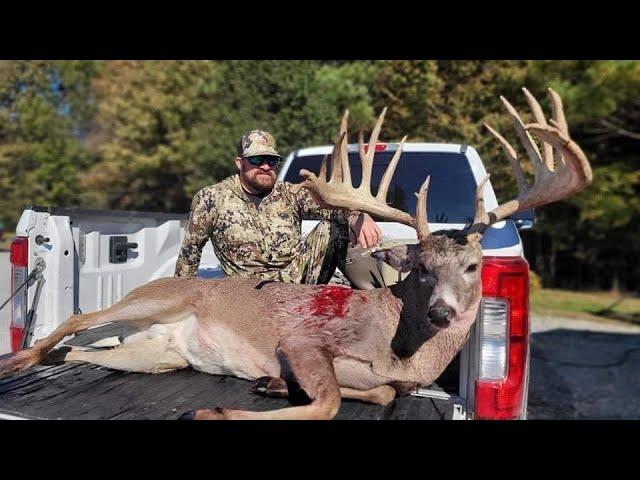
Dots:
(579, 369)
(584, 370)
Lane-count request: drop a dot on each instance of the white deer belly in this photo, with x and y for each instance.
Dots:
(218, 350)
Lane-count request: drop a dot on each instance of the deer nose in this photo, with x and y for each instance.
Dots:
(440, 314)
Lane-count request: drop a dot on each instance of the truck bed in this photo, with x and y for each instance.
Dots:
(80, 391)
(75, 391)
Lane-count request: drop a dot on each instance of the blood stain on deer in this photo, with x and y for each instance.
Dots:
(331, 301)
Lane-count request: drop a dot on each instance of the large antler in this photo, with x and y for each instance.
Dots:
(560, 172)
(337, 192)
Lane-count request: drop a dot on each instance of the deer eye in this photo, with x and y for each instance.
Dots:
(471, 268)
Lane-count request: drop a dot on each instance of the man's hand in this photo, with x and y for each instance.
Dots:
(363, 230)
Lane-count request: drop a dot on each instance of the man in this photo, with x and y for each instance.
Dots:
(254, 223)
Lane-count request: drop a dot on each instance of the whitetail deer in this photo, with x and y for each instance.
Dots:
(333, 341)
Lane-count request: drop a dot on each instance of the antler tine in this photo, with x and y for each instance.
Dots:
(336, 159)
(558, 120)
(422, 223)
(344, 149)
(323, 168)
(367, 160)
(361, 144)
(481, 216)
(388, 174)
(512, 156)
(525, 138)
(557, 112)
(536, 109)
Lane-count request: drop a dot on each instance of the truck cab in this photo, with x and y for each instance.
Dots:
(87, 260)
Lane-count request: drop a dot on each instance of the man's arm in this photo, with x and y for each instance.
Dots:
(362, 228)
(198, 231)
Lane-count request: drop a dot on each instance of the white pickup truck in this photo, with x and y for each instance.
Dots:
(87, 260)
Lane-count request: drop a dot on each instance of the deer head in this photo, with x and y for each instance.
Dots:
(444, 280)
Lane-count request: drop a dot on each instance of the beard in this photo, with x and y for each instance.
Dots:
(259, 180)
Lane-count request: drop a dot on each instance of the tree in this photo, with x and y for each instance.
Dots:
(166, 129)
(299, 102)
(44, 107)
(600, 100)
(150, 132)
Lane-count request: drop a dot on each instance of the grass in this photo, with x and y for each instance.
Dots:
(7, 238)
(586, 305)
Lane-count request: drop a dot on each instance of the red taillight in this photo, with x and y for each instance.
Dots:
(380, 147)
(19, 258)
(507, 278)
(16, 338)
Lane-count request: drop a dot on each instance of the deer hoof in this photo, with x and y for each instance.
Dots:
(270, 387)
(205, 414)
(19, 362)
(190, 415)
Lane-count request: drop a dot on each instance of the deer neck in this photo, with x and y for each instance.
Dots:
(411, 350)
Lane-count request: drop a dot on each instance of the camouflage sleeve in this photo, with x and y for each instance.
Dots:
(308, 207)
(198, 231)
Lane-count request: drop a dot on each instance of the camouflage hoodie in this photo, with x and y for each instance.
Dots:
(249, 241)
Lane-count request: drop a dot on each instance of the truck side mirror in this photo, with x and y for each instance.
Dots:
(525, 219)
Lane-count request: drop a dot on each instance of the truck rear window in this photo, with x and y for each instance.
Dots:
(452, 188)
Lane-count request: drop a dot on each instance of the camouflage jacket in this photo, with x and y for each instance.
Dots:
(249, 241)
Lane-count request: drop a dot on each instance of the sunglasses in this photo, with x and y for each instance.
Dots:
(258, 160)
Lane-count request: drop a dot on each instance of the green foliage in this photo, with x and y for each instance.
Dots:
(150, 131)
(149, 134)
(43, 107)
(410, 89)
(535, 283)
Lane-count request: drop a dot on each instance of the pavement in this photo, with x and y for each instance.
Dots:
(583, 370)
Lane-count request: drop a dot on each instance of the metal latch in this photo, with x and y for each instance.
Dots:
(36, 273)
(119, 249)
(39, 266)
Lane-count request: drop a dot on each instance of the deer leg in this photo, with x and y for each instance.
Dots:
(145, 355)
(277, 388)
(135, 310)
(382, 395)
(312, 367)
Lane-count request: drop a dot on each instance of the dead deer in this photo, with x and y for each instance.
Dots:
(333, 341)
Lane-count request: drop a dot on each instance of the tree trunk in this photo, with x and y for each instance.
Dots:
(615, 283)
(552, 264)
(540, 270)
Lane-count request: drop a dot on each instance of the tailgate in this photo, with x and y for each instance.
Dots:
(94, 258)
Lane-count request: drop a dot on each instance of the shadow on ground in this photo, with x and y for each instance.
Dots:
(576, 374)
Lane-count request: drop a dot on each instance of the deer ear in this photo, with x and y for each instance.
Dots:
(402, 257)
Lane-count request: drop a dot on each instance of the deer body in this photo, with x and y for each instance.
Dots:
(355, 327)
